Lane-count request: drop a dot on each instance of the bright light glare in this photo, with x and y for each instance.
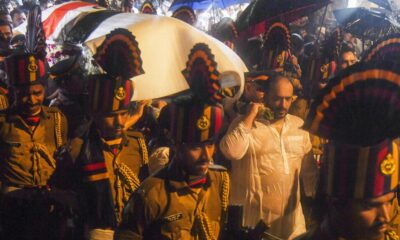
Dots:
(362, 3)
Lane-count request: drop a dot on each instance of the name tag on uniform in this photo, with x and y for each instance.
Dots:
(173, 217)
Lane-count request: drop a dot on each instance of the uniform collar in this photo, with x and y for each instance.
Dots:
(107, 145)
(176, 178)
(13, 114)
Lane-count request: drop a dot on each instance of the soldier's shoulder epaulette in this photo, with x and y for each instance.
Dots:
(153, 184)
(52, 109)
(216, 167)
(3, 102)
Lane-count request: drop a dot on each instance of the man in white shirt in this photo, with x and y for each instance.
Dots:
(267, 158)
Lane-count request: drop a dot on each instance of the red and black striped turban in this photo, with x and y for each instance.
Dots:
(359, 112)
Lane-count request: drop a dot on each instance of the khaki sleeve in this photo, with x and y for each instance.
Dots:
(137, 218)
(64, 128)
(309, 170)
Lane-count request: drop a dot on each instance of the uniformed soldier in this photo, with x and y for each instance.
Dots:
(277, 53)
(359, 182)
(108, 158)
(148, 8)
(226, 31)
(30, 137)
(71, 94)
(185, 14)
(387, 49)
(188, 198)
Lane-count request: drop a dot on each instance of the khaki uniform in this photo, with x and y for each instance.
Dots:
(27, 157)
(4, 104)
(125, 169)
(165, 207)
(28, 165)
(395, 224)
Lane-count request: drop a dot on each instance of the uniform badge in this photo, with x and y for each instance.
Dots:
(120, 93)
(324, 68)
(388, 165)
(203, 123)
(279, 60)
(32, 66)
(173, 218)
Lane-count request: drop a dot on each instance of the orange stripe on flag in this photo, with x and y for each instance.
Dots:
(51, 23)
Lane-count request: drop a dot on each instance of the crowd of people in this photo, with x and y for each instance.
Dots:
(309, 151)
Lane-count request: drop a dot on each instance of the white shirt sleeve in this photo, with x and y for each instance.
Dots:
(236, 141)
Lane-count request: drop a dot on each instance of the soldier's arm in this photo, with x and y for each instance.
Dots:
(64, 131)
(138, 216)
(309, 169)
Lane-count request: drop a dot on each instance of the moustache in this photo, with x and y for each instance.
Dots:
(5, 41)
(201, 161)
(33, 105)
(277, 110)
(379, 224)
(119, 127)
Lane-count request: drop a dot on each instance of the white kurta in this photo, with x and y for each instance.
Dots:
(265, 173)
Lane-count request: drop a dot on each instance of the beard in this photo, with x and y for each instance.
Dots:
(5, 43)
(280, 113)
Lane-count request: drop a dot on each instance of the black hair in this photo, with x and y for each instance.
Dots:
(347, 47)
(16, 11)
(5, 23)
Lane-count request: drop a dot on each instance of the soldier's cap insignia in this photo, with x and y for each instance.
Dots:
(203, 123)
(32, 66)
(120, 93)
(388, 165)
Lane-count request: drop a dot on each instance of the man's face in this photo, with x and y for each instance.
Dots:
(254, 92)
(111, 125)
(5, 36)
(196, 158)
(18, 19)
(30, 99)
(6, 17)
(280, 97)
(347, 59)
(367, 219)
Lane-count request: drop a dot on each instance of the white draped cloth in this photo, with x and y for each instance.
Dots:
(265, 173)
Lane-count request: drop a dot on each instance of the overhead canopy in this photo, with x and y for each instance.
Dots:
(271, 10)
(204, 4)
(366, 23)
